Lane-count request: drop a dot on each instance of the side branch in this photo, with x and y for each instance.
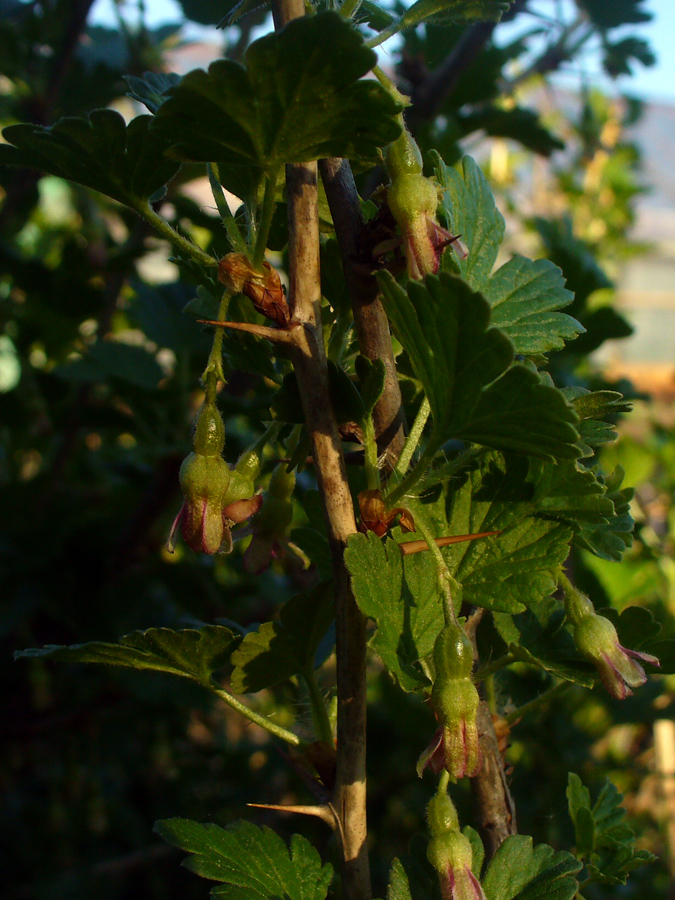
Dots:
(370, 319)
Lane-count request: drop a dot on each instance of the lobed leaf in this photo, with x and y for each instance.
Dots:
(468, 206)
(520, 871)
(125, 162)
(279, 650)
(454, 12)
(525, 296)
(315, 104)
(253, 863)
(403, 599)
(190, 653)
(466, 370)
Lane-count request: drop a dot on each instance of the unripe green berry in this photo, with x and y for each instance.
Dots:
(453, 654)
(451, 850)
(441, 814)
(412, 197)
(208, 438)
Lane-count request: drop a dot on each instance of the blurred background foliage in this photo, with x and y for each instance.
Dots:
(99, 380)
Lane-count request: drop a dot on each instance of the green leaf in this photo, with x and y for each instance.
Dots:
(520, 871)
(466, 370)
(399, 888)
(372, 375)
(610, 539)
(151, 89)
(279, 650)
(525, 296)
(126, 162)
(516, 122)
(300, 97)
(254, 863)
(612, 15)
(403, 599)
(509, 571)
(603, 839)
(454, 11)
(569, 491)
(191, 653)
(468, 206)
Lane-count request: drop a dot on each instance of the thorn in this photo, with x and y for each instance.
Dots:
(418, 546)
(281, 336)
(325, 813)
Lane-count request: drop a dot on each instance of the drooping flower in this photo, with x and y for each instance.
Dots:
(597, 640)
(413, 201)
(450, 852)
(215, 496)
(455, 746)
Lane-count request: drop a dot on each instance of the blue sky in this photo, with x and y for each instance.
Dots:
(657, 83)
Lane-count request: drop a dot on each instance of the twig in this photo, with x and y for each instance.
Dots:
(309, 361)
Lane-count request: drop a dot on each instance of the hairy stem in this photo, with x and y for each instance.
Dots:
(309, 359)
(413, 439)
(166, 231)
(257, 719)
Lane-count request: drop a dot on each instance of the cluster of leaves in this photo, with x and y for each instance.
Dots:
(473, 340)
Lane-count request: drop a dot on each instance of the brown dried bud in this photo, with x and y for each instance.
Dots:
(264, 289)
(377, 518)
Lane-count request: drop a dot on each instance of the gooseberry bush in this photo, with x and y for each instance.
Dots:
(438, 546)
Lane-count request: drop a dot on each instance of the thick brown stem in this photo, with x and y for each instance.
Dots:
(309, 360)
(370, 320)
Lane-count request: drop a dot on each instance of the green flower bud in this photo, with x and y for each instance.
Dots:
(450, 852)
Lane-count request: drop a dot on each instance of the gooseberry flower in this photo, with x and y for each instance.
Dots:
(597, 640)
(413, 200)
(450, 852)
(619, 669)
(215, 496)
(455, 746)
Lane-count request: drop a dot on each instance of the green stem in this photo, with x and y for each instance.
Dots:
(491, 694)
(349, 7)
(411, 479)
(526, 708)
(215, 363)
(163, 227)
(488, 669)
(384, 35)
(233, 234)
(391, 89)
(257, 719)
(320, 720)
(445, 580)
(414, 436)
(370, 454)
(265, 220)
(448, 469)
